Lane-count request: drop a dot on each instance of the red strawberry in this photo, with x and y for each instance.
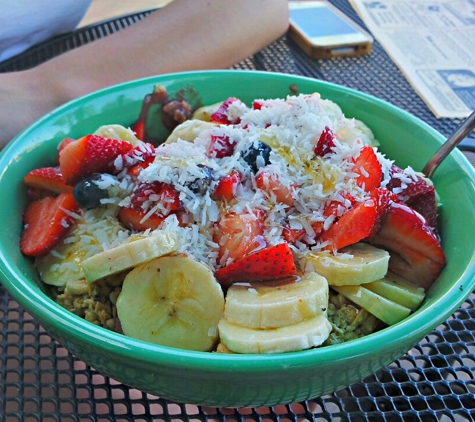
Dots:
(143, 151)
(269, 264)
(64, 143)
(238, 235)
(46, 222)
(133, 218)
(138, 158)
(137, 168)
(292, 235)
(426, 205)
(418, 194)
(257, 104)
(353, 226)
(334, 208)
(271, 184)
(47, 179)
(226, 187)
(90, 154)
(221, 146)
(416, 253)
(139, 128)
(157, 192)
(369, 169)
(221, 114)
(325, 143)
(383, 198)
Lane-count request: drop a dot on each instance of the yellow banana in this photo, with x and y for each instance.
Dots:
(358, 264)
(263, 306)
(172, 301)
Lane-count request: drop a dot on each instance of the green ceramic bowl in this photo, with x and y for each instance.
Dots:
(238, 380)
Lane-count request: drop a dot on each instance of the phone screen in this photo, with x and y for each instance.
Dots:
(320, 22)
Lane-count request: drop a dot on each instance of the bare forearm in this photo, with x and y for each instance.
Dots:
(186, 35)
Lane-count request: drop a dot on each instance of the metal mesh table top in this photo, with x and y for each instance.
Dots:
(41, 381)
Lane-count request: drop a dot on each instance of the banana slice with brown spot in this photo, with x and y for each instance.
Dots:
(266, 306)
(172, 301)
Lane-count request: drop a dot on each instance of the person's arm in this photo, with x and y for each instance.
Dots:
(185, 35)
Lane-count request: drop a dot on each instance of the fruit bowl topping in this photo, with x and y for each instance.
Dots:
(241, 230)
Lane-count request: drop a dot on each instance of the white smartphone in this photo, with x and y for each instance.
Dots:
(324, 32)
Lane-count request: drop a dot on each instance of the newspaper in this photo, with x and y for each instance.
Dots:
(433, 44)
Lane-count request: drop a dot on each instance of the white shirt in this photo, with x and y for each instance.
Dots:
(24, 23)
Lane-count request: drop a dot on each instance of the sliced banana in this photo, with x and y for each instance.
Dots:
(189, 130)
(303, 335)
(357, 264)
(172, 301)
(263, 306)
(386, 310)
(118, 132)
(64, 262)
(204, 113)
(62, 265)
(131, 254)
(399, 290)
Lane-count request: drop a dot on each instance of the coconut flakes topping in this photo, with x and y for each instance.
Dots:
(291, 127)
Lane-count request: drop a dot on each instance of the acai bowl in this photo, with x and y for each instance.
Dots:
(238, 379)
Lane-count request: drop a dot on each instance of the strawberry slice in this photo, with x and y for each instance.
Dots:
(257, 104)
(369, 169)
(325, 143)
(269, 264)
(47, 179)
(139, 129)
(275, 189)
(90, 154)
(383, 198)
(418, 194)
(426, 205)
(221, 114)
(353, 226)
(46, 222)
(157, 193)
(135, 170)
(138, 158)
(334, 209)
(292, 235)
(221, 146)
(139, 154)
(64, 143)
(133, 218)
(416, 253)
(226, 187)
(238, 235)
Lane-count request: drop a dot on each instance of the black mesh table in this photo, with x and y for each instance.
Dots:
(42, 381)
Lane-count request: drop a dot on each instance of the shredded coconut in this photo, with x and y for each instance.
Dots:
(290, 127)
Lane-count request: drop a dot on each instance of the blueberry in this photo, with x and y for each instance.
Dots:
(257, 155)
(87, 193)
(201, 184)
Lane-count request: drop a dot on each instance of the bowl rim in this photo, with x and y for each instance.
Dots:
(85, 332)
